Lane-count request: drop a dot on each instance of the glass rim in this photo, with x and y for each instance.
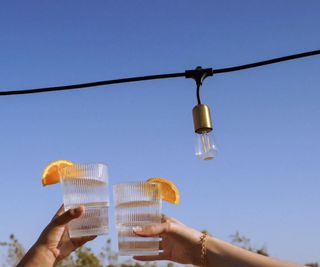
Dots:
(135, 182)
(85, 165)
(85, 171)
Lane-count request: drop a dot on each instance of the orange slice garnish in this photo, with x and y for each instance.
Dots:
(169, 191)
(51, 175)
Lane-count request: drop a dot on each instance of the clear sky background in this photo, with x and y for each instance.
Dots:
(265, 182)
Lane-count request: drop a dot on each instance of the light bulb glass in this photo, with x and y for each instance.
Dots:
(205, 146)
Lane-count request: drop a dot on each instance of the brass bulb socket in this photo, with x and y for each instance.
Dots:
(202, 119)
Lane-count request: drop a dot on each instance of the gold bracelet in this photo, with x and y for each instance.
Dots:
(203, 250)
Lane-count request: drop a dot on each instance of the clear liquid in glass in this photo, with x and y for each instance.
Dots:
(93, 195)
(137, 205)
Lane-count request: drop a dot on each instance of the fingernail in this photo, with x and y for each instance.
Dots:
(77, 210)
(137, 229)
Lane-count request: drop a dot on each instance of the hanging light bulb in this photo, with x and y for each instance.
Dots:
(205, 146)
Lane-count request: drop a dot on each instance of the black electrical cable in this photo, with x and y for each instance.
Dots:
(161, 76)
(267, 62)
(92, 84)
(198, 94)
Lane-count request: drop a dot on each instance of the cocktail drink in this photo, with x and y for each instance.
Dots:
(86, 185)
(137, 204)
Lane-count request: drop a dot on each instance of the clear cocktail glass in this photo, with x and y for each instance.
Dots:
(137, 204)
(86, 185)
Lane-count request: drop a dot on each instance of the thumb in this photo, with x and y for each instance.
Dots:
(68, 216)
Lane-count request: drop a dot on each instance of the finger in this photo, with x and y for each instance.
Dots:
(83, 238)
(59, 212)
(68, 216)
(159, 257)
(166, 218)
(152, 230)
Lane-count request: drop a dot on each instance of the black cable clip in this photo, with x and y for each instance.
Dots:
(199, 74)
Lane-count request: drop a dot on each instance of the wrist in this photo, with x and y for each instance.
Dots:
(207, 252)
(195, 247)
(200, 250)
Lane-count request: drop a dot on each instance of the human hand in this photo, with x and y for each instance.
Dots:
(54, 243)
(179, 243)
(182, 244)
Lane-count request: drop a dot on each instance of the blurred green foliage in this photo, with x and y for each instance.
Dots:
(84, 257)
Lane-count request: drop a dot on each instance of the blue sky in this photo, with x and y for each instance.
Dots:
(265, 182)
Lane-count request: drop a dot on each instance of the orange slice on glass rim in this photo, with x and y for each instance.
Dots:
(51, 175)
(169, 191)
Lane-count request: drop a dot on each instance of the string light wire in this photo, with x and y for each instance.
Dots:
(186, 74)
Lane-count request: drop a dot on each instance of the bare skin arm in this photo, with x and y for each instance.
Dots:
(181, 244)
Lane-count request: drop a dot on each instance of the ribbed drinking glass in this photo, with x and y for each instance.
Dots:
(137, 204)
(86, 185)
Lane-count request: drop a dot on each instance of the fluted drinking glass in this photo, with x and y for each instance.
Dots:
(86, 185)
(137, 204)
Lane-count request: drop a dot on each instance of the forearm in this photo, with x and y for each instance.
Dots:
(222, 254)
(38, 256)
